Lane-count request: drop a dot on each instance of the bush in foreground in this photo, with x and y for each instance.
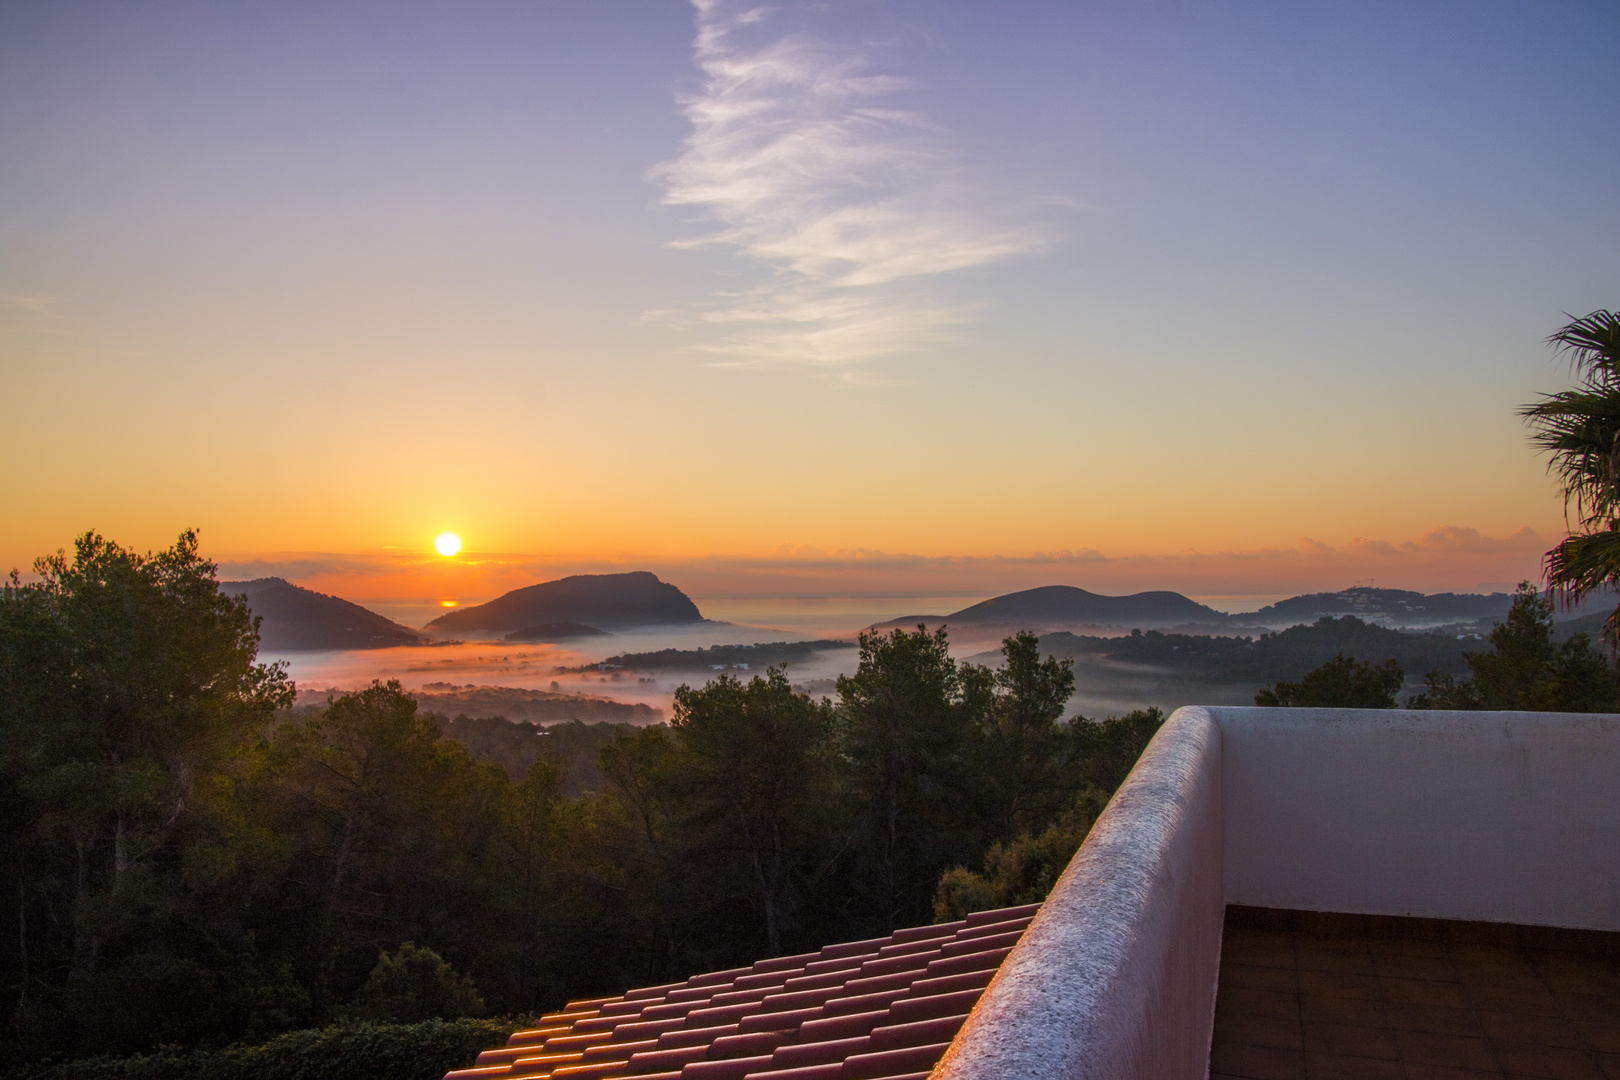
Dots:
(423, 1051)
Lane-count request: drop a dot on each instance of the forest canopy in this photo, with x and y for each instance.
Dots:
(198, 864)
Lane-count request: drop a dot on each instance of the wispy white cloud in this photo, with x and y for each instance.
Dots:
(851, 206)
(38, 304)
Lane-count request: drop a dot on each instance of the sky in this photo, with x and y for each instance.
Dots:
(890, 296)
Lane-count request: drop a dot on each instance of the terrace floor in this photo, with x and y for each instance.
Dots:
(1309, 996)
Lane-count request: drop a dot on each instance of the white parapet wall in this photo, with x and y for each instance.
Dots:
(1497, 817)
(1116, 976)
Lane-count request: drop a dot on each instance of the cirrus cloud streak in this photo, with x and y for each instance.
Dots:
(852, 207)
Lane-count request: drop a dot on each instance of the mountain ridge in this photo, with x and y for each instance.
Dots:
(602, 601)
(296, 619)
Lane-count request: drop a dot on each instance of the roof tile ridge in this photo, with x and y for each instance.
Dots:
(932, 930)
(589, 1003)
(708, 978)
(652, 991)
(664, 1058)
(603, 1023)
(536, 1035)
(478, 1071)
(950, 984)
(837, 963)
(505, 1055)
(621, 1051)
(564, 1017)
(694, 1036)
(766, 978)
(781, 963)
(671, 1010)
(860, 1003)
(793, 999)
(742, 997)
(745, 1044)
(889, 965)
(919, 1032)
(563, 1043)
(841, 1026)
(787, 1020)
(1002, 914)
(647, 1028)
(911, 1010)
(886, 1063)
(818, 1053)
(906, 948)
(981, 944)
(852, 948)
(818, 980)
(870, 984)
(975, 961)
(719, 1014)
(543, 1064)
(729, 1069)
(991, 929)
(830, 1071)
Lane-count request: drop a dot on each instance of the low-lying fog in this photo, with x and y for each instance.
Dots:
(750, 620)
(1103, 688)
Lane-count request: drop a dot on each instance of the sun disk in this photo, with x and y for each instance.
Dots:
(448, 544)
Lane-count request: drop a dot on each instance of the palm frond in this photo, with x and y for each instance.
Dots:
(1583, 564)
(1580, 429)
(1592, 344)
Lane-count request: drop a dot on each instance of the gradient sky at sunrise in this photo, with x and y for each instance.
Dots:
(1226, 297)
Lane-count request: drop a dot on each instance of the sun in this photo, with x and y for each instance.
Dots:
(448, 544)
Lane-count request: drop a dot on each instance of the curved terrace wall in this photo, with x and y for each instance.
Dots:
(1116, 976)
(1507, 817)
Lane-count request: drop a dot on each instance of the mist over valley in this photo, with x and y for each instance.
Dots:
(1156, 648)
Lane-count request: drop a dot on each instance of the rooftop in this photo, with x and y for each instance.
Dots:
(882, 1008)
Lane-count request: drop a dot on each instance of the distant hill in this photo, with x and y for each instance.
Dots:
(1055, 605)
(1397, 604)
(1269, 657)
(1116, 674)
(715, 657)
(296, 619)
(599, 600)
(556, 631)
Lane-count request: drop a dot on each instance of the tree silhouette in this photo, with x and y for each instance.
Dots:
(1580, 429)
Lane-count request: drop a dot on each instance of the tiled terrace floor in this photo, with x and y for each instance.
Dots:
(1310, 997)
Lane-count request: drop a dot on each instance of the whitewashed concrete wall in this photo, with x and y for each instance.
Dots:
(1116, 976)
(1505, 817)
(1500, 817)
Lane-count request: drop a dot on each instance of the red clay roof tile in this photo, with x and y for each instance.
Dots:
(841, 1027)
(830, 1071)
(885, 1063)
(882, 1009)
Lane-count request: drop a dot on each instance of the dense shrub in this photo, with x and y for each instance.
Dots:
(415, 984)
(1020, 872)
(423, 1051)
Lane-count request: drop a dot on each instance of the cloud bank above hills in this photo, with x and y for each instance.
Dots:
(1447, 558)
